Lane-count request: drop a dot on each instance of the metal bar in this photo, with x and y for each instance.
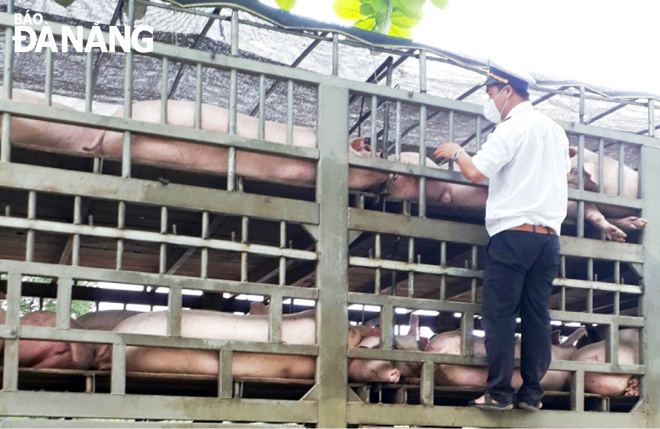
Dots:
(204, 263)
(652, 126)
(397, 138)
(577, 391)
(427, 385)
(387, 326)
(622, 164)
(605, 113)
(275, 319)
(118, 373)
(48, 87)
(335, 54)
(244, 255)
(174, 302)
(443, 264)
(411, 261)
(121, 222)
(233, 103)
(198, 97)
(262, 107)
(283, 262)
(467, 336)
(612, 349)
(590, 291)
(162, 266)
(31, 215)
(128, 99)
(332, 272)
(89, 78)
(374, 125)
(8, 83)
(77, 220)
(377, 273)
(63, 315)
(164, 82)
(601, 165)
(582, 107)
(451, 136)
(10, 365)
(580, 167)
(225, 379)
(289, 112)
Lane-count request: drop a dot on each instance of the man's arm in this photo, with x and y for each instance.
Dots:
(464, 160)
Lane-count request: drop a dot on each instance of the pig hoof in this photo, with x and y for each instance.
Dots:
(613, 233)
(631, 223)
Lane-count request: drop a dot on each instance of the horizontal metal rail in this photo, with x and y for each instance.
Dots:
(84, 405)
(387, 264)
(154, 237)
(392, 414)
(51, 180)
(441, 358)
(199, 136)
(456, 232)
(164, 280)
(145, 340)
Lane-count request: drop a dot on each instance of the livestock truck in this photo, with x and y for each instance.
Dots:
(244, 202)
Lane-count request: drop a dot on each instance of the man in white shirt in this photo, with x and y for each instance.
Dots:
(526, 159)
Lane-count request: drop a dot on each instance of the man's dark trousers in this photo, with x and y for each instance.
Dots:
(519, 270)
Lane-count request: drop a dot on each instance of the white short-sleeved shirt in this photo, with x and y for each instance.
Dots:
(526, 159)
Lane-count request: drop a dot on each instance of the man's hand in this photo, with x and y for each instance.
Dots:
(446, 150)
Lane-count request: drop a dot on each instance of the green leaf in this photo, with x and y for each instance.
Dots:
(402, 20)
(366, 9)
(410, 5)
(403, 33)
(365, 24)
(347, 9)
(379, 5)
(286, 4)
(440, 3)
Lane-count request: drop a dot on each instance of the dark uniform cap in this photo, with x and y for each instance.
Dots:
(518, 79)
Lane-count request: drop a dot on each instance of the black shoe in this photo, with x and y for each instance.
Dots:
(530, 407)
(490, 404)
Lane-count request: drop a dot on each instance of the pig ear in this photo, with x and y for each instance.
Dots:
(590, 176)
(572, 151)
(414, 324)
(357, 143)
(258, 308)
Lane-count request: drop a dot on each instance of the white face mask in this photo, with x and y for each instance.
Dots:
(490, 110)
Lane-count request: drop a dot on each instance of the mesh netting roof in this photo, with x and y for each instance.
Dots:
(261, 37)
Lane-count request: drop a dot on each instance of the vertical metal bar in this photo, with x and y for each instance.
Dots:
(164, 83)
(562, 298)
(387, 326)
(89, 76)
(422, 133)
(397, 137)
(612, 349)
(174, 302)
(580, 217)
(225, 380)
(204, 264)
(289, 112)
(467, 328)
(63, 313)
(128, 99)
(48, 87)
(577, 390)
(478, 133)
(651, 117)
(650, 301)
(282, 277)
(335, 54)
(10, 372)
(378, 273)
(244, 256)
(451, 135)
(121, 223)
(590, 291)
(31, 215)
(77, 220)
(198, 97)
(386, 116)
(118, 373)
(622, 164)
(8, 83)
(332, 268)
(162, 266)
(374, 125)
(411, 260)
(275, 318)
(443, 264)
(601, 165)
(582, 105)
(262, 107)
(233, 103)
(427, 385)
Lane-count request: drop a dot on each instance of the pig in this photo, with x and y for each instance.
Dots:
(260, 309)
(365, 370)
(52, 354)
(160, 151)
(613, 221)
(47, 136)
(469, 376)
(210, 324)
(612, 384)
(409, 342)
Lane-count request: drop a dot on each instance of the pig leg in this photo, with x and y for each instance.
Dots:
(629, 223)
(633, 387)
(612, 232)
